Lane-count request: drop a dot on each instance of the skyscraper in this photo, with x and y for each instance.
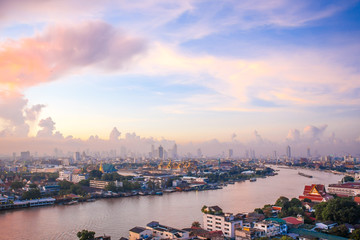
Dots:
(231, 153)
(288, 152)
(308, 153)
(174, 151)
(161, 152)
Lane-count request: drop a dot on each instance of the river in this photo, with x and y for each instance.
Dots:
(115, 217)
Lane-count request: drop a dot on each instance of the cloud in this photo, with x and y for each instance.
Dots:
(33, 112)
(114, 135)
(63, 49)
(233, 136)
(48, 56)
(48, 126)
(313, 132)
(293, 135)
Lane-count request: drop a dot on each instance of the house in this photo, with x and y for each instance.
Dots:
(270, 228)
(215, 220)
(325, 225)
(165, 232)
(294, 221)
(139, 233)
(316, 193)
(309, 206)
(249, 233)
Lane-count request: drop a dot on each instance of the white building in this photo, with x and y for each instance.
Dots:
(271, 229)
(164, 232)
(78, 177)
(65, 175)
(215, 220)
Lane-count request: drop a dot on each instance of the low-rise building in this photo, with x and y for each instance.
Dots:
(165, 232)
(98, 184)
(271, 229)
(139, 233)
(247, 233)
(316, 193)
(348, 189)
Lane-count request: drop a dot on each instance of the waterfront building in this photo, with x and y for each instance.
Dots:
(348, 189)
(316, 193)
(98, 184)
(165, 232)
(215, 220)
(139, 233)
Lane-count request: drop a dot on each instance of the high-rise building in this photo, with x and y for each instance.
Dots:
(288, 152)
(77, 156)
(308, 153)
(231, 153)
(199, 153)
(161, 152)
(25, 156)
(174, 152)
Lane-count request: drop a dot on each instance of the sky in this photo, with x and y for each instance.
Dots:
(214, 75)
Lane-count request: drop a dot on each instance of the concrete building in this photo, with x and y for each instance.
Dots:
(65, 175)
(349, 189)
(139, 233)
(165, 232)
(215, 220)
(98, 184)
(161, 152)
(271, 229)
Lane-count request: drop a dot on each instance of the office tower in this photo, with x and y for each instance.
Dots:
(161, 152)
(231, 153)
(288, 152)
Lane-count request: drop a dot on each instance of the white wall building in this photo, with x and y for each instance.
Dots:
(65, 175)
(215, 220)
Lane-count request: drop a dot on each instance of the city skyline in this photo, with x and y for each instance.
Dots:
(240, 75)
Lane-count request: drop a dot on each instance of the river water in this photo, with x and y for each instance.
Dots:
(115, 217)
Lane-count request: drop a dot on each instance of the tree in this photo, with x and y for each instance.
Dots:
(111, 187)
(64, 185)
(355, 234)
(31, 194)
(86, 235)
(340, 210)
(16, 185)
(340, 230)
(281, 201)
(77, 189)
(95, 174)
(348, 179)
(196, 224)
(85, 182)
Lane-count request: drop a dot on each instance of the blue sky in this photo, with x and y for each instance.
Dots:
(184, 70)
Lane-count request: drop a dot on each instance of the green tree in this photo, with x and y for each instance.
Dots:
(95, 174)
(16, 185)
(281, 201)
(85, 182)
(86, 235)
(64, 185)
(31, 194)
(355, 234)
(340, 230)
(348, 179)
(196, 224)
(77, 189)
(111, 187)
(340, 210)
(32, 185)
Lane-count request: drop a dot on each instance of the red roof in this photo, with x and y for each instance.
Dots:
(292, 220)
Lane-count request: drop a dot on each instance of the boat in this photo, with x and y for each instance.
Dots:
(252, 179)
(159, 193)
(304, 175)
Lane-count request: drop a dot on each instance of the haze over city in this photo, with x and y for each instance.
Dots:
(77, 75)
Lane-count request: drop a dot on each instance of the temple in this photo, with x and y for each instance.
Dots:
(316, 193)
